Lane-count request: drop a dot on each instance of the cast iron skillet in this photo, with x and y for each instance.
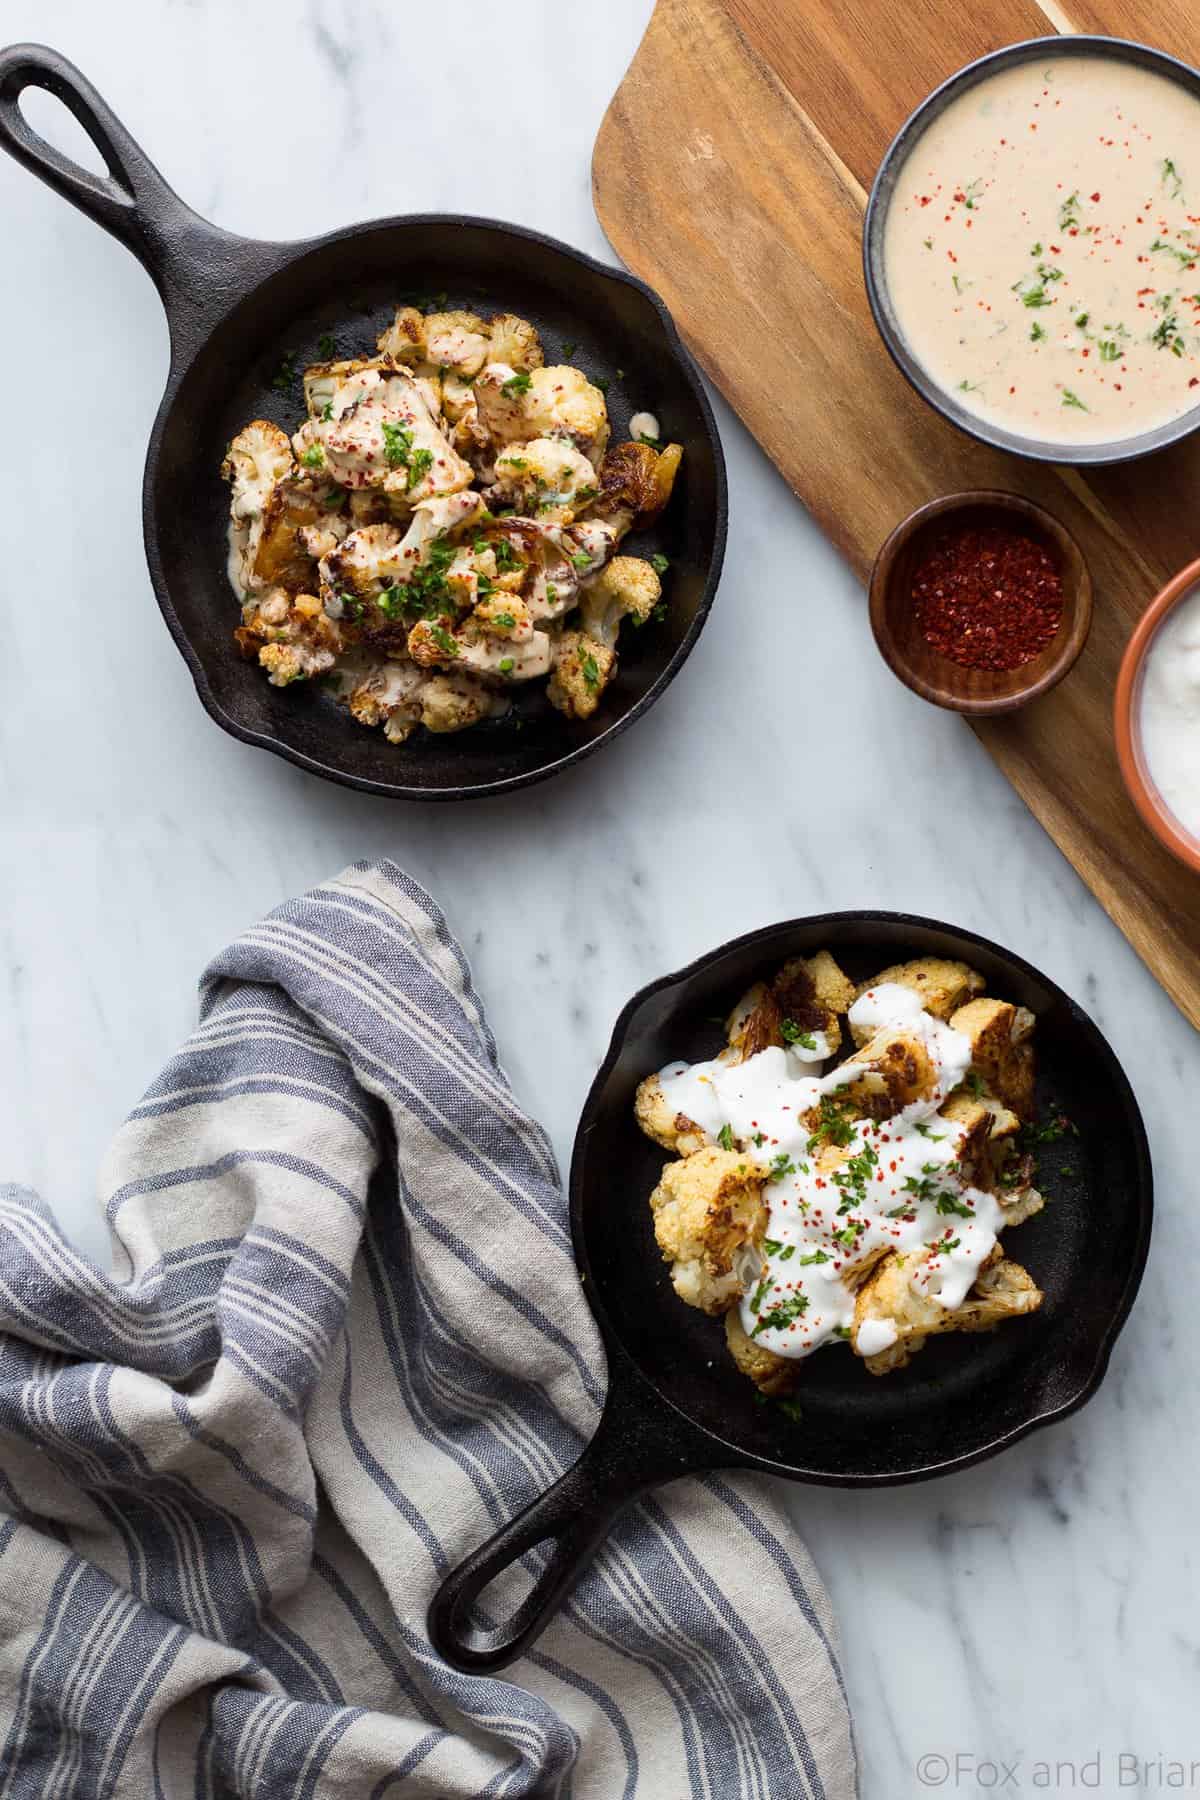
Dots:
(677, 1405)
(235, 306)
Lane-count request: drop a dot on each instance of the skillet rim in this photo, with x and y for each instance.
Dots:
(186, 345)
(626, 1372)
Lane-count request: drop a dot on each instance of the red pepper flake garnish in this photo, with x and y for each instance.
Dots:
(988, 597)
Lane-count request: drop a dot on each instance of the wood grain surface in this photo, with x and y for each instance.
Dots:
(731, 173)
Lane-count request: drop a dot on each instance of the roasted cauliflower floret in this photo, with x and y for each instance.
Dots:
(772, 1375)
(389, 694)
(799, 1008)
(635, 483)
(289, 636)
(518, 405)
(582, 670)
(458, 341)
(897, 1069)
(259, 456)
(323, 379)
(1001, 1053)
(626, 588)
(940, 984)
(379, 431)
(515, 342)
(547, 476)
(707, 1208)
(404, 339)
(452, 702)
(673, 1130)
(1003, 1290)
(433, 645)
(504, 616)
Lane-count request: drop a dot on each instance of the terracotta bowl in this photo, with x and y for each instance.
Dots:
(1126, 710)
(925, 670)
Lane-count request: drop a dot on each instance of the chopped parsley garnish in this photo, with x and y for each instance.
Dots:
(284, 377)
(793, 1034)
(1037, 332)
(950, 1203)
(506, 557)
(935, 1137)
(391, 601)
(660, 563)
(1185, 255)
(760, 1293)
(325, 346)
(791, 1408)
(334, 497)
(971, 194)
(788, 1310)
(1068, 212)
(725, 1137)
(517, 384)
(781, 1166)
(442, 638)
(1081, 320)
(1071, 398)
(1110, 350)
(834, 1124)
(1036, 249)
(841, 1331)
(974, 1083)
(601, 382)
(591, 672)
(506, 665)
(505, 619)
(1166, 336)
(397, 445)
(314, 458)
(582, 560)
(1032, 288)
(568, 350)
(419, 465)
(928, 242)
(941, 1245)
(815, 1256)
(849, 1235)
(1172, 180)
(327, 412)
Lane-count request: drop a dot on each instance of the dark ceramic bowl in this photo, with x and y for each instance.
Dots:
(1047, 49)
(236, 306)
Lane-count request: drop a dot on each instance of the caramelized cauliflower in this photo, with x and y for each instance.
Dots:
(707, 1208)
(442, 526)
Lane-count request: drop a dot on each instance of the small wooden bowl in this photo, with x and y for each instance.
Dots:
(1143, 790)
(926, 671)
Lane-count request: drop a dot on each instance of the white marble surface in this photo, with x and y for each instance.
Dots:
(1039, 1607)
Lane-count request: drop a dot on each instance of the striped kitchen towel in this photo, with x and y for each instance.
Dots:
(333, 1356)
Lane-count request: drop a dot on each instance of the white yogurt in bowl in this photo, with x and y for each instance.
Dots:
(1168, 711)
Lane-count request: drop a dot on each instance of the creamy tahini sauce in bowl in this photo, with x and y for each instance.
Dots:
(1041, 249)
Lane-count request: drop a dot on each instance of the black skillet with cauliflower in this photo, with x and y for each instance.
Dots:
(442, 529)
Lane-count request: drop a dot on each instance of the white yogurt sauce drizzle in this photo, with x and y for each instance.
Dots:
(899, 1186)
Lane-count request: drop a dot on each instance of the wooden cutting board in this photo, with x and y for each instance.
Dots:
(731, 172)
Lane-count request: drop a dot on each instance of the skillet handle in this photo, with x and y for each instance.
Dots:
(188, 258)
(639, 1443)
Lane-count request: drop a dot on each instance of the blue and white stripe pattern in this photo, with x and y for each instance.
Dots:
(343, 1341)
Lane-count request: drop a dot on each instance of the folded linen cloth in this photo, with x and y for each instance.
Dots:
(332, 1358)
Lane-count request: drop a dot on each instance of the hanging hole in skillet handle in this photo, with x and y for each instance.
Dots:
(191, 262)
(639, 1443)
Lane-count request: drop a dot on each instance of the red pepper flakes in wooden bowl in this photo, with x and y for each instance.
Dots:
(980, 601)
